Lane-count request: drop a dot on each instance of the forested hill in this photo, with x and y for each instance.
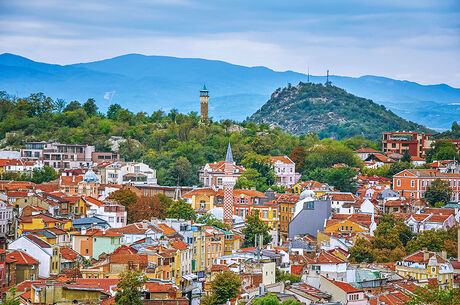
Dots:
(329, 111)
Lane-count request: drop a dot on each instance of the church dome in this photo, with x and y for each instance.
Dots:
(307, 194)
(90, 177)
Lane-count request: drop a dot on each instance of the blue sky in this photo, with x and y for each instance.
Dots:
(403, 39)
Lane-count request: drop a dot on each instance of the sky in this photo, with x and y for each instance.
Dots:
(417, 40)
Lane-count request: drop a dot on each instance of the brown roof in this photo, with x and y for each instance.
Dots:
(38, 241)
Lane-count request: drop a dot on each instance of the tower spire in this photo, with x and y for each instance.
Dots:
(229, 156)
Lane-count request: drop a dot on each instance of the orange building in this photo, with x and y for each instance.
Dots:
(413, 183)
(286, 212)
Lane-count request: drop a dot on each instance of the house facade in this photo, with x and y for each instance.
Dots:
(413, 183)
(285, 173)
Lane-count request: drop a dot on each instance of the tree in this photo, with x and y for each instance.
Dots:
(342, 178)
(361, 251)
(225, 286)
(435, 241)
(11, 300)
(129, 286)
(112, 113)
(438, 191)
(281, 276)
(398, 167)
(90, 107)
(271, 299)
(59, 105)
(72, 106)
(147, 208)
(181, 170)
(131, 150)
(442, 150)
(255, 226)
(181, 210)
(406, 156)
(435, 295)
(46, 174)
(298, 156)
(125, 197)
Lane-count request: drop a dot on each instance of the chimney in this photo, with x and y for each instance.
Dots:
(444, 254)
(426, 254)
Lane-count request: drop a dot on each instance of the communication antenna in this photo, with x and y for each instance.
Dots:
(308, 75)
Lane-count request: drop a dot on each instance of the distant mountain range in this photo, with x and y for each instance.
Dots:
(329, 111)
(149, 83)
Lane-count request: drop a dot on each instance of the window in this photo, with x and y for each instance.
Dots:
(274, 213)
(398, 182)
(412, 183)
(265, 214)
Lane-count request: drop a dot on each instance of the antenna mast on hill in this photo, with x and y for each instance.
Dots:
(308, 74)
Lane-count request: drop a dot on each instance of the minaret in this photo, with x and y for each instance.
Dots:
(229, 182)
(204, 101)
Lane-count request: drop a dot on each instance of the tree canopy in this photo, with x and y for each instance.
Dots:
(129, 286)
(255, 226)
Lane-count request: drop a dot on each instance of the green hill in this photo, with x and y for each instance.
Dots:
(329, 111)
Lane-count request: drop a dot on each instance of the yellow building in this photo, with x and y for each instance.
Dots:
(343, 226)
(201, 199)
(199, 249)
(42, 221)
(214, 245)
(424, 265)
(64, 293)
(268, 212)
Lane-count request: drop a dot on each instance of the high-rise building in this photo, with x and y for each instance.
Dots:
(229, 182)
(204, 101)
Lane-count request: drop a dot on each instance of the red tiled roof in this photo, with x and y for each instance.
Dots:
(418, 257)
(166, 229)
(297, 269)
(178, 244)
(133, 228)
(325, 258)
(342, 197)
(383, 158)
(20, 258)
(283, 159)
(68, 254)
(47, 187)
(70, 180)
(93, 201)
(344, 286)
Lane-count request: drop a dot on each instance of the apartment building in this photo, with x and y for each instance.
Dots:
(397, 142)
(57, 155)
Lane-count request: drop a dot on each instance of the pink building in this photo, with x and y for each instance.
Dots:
(285, 172)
